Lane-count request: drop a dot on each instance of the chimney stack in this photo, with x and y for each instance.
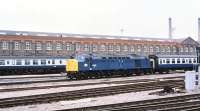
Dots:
(198, 29)
(170, 28)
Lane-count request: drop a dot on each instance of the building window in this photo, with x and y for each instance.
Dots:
(16, 46)
(168, 49)
(157, 49)
(117, 48)
(103, 47)
(48, 46)
(132, 49)
(191, 49)
(27, 45)
(163, 49)
(86, 47)
(145, 49)
(151, 49)
(94, 47)
(38, 46)
(139, 48)
(125, 48)
(174, 49)
(58, 46)
(78, 46)
(5, 45)
(186, 49)
(110, 47)
(181, 49)
(68, 46)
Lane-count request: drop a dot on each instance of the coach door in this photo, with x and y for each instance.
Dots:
(152, 63)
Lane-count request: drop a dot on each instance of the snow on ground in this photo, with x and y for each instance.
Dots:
(119, 98)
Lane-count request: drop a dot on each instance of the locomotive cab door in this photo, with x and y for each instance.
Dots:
(153, 61)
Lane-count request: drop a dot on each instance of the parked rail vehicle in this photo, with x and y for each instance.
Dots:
(165, 63)
(89, 66)
(36, 65)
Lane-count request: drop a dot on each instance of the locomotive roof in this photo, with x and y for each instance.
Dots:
(49, 34)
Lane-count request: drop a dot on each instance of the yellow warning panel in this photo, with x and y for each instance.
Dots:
(71, 65)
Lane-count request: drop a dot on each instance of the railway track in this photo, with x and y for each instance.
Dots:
(185, 103)
(81, 84)
(85, 93)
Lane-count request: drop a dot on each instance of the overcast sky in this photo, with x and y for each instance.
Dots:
(146, 18)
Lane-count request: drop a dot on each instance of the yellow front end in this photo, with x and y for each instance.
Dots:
(72, 65)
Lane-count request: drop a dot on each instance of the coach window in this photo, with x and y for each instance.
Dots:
(49, 62)
(183, 60)
(178, 61)
(5, 45)
(164, 61)
(194, 60)
(8, 62)
(190, 61)
(2, 62)
(18, 62)
(168, 61)
(53, 61)
(160, 61)
(38, 46)
(43, 62)
(173, 61)
(27, 62)
(35, 62)
(60, 61)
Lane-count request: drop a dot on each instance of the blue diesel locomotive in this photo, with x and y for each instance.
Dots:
(90, 65)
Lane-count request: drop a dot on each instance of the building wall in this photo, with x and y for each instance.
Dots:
(66, 46)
